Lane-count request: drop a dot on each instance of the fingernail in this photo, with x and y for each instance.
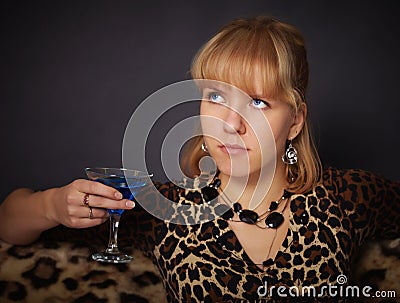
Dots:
(118, 195)
(130, 203)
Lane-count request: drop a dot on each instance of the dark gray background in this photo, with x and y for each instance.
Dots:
(72, 73)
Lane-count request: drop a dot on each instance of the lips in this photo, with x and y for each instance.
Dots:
(233, 149)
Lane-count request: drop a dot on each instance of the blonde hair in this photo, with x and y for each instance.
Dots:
(275, 51)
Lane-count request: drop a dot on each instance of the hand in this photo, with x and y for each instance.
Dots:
(68, 206)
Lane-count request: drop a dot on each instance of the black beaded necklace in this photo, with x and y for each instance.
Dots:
(273, 219)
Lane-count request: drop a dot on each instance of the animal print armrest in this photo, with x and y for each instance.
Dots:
(378, 266)
(65, 272)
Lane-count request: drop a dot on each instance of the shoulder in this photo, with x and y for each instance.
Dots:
(357, 182)
(332, 175)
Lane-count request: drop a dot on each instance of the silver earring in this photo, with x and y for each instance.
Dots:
(290, 155)
(204, 147)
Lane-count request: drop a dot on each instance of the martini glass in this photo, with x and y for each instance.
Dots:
(127, 182)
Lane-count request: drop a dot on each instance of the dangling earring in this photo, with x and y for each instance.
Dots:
(290, 155)
(204, 147)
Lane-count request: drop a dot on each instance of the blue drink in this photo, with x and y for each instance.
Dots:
(127, 182)
(127, 190)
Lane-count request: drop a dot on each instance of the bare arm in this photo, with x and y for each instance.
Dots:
(25, 214)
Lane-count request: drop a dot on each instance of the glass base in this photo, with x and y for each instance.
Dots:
(118, 257)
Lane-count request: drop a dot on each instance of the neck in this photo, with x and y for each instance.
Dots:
(250, 195)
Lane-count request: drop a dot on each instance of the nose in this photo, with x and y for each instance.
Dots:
(234, 122)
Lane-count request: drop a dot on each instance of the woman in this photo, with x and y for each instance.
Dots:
(302, 231)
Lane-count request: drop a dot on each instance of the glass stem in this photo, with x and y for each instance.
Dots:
(113, 239)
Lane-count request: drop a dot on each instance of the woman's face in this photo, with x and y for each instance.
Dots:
(243, 133)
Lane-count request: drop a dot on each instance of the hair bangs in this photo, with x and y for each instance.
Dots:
(244, 60)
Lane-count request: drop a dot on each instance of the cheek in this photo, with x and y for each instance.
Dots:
(211, 123)
(280, 130)
(272, 135)
(205, 110)
(210, 127)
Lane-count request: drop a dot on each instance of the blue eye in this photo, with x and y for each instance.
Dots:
(215, 97)
(258, 103)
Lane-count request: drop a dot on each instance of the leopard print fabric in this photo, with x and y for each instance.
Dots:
(58, 272)
(206, 262)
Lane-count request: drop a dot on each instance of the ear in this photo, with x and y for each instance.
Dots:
(299, 119)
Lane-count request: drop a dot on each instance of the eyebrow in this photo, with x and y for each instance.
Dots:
(257, 96)
(215, 87)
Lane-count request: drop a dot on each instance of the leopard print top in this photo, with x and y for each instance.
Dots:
(206, 263)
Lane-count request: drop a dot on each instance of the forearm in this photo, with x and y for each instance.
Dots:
(25, 214)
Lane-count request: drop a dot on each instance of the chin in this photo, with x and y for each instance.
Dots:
(238, 171)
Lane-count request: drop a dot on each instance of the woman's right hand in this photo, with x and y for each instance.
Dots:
(68, 207)
(25, 214)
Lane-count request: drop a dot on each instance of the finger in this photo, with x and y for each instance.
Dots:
(97, 188)
(87, 217)
(93, 213)
(101, 202)
(121, 204)
(86, 222)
